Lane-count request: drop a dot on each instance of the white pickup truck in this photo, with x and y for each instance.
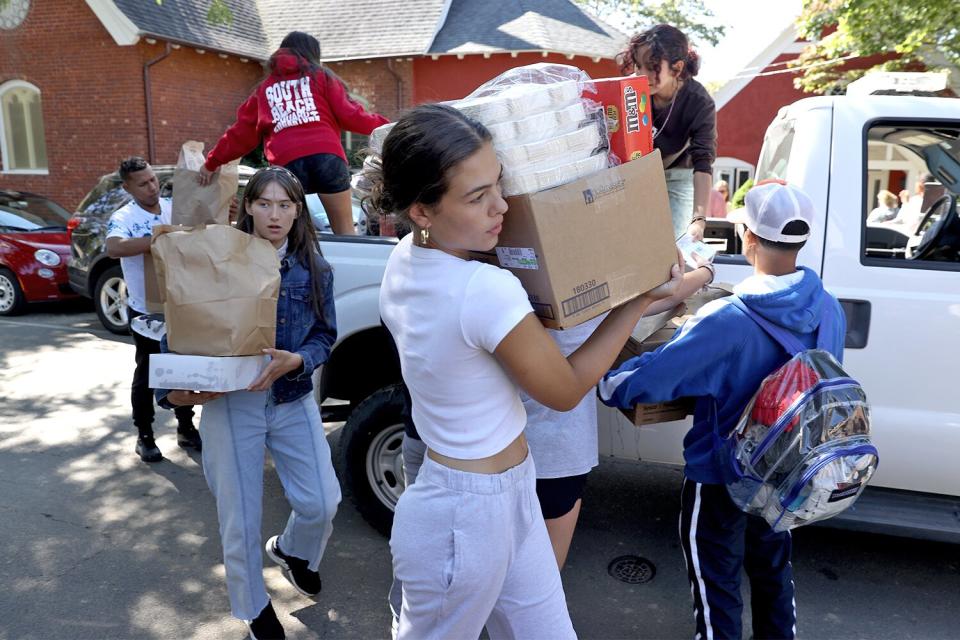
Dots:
(899, 285)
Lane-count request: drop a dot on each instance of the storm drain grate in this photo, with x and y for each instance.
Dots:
(632, 569)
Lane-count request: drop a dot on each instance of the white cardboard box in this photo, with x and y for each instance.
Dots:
(204, 373)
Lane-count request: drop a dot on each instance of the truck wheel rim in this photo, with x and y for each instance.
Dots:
(384, 465)
(6, 294)
(113, 301)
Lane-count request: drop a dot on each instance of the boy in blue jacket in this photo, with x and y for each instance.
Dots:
(721, 356)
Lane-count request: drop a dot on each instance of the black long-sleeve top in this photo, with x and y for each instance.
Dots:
(694, 119)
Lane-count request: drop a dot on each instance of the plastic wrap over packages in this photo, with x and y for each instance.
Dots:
(550, 152)
(515, 101)
(378, 135)
(540, 125)
(523, 104)
(802, 451)
(541, 73)
(545, 133)
(519, 183)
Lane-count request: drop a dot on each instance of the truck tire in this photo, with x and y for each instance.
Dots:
(110, 300)
(370, 454)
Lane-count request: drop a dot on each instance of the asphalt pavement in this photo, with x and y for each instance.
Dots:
(96, 544)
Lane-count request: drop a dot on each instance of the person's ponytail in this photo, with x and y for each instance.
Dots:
(692, 66)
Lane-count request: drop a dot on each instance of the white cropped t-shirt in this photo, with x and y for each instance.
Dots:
(447, 316)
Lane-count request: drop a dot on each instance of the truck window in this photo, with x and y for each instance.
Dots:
(775, 153)
(911, 187)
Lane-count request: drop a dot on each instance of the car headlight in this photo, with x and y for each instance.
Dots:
(47, 257)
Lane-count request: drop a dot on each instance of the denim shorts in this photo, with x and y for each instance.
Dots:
(321, 173)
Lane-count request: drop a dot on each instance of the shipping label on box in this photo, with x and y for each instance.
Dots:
(583, 248)
(626, 104)
(204, 373)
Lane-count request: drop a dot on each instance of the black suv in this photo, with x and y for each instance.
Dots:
(96, 275)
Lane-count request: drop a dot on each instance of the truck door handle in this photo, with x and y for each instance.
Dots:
(858, 323)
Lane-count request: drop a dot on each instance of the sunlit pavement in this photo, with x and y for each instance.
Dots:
(96, 544)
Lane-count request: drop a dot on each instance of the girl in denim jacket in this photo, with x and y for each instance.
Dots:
(277, 411)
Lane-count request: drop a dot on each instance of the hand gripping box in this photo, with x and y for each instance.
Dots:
(626, 104)
(591, 245)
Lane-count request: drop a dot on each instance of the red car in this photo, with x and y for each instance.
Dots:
(34, 248)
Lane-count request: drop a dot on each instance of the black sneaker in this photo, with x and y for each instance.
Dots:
(189, 437)
(294, 569)
(147, 449)
(266, 626)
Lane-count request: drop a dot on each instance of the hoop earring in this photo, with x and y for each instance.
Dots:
(424, 236)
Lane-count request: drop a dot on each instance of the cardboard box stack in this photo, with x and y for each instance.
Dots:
(582, 237)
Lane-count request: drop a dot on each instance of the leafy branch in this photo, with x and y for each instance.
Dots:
(690, 16)
(896, 35)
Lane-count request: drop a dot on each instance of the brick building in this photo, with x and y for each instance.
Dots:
(84, 83)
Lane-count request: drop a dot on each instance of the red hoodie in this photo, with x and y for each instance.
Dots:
(295, 116)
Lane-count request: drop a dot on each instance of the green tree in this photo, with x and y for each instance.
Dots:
(690, 16)
(737, 200)
(903, 33)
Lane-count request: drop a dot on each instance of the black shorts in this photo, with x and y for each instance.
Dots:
(321, 173)
(558, 495)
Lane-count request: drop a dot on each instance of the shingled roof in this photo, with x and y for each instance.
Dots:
(525, 25)
(361, 29)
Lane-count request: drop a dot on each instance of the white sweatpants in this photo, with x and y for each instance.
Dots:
(471, 550)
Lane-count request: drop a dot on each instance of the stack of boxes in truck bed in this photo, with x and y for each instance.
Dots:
(580, 236)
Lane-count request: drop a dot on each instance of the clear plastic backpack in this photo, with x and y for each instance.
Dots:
(801, 451)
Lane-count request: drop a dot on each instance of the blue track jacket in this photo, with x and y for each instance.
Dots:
(721, 356)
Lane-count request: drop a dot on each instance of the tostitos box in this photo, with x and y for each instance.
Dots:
(626, 104)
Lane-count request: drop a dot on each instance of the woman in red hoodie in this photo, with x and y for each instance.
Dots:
(298, 112)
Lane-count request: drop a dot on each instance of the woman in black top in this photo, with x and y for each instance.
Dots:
(684, 120)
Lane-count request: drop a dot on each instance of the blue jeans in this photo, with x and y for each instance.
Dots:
(680, 192)
(237, 428)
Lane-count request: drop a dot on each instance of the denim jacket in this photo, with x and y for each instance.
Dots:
(299, 329)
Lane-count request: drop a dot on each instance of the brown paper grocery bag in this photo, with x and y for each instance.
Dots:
(220, 288)
(151, 291)
(194, 204)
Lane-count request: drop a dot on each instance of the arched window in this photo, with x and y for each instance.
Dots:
(22, 143)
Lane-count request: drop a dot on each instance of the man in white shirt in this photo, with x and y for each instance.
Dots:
(128, 238)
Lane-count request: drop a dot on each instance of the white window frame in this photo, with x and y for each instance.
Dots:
(4, 149)
(727, 164)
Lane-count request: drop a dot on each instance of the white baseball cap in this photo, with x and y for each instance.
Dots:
(770, 206)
